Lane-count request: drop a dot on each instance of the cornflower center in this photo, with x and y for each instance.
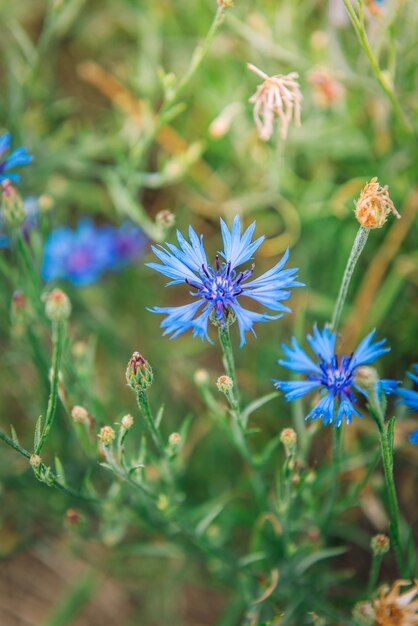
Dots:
(337, 375)
(220, 286)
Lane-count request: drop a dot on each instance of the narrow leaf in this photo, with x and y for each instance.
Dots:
(59, 470)
(257, 404)
(159, 416)
(14, 435)
(38, 432)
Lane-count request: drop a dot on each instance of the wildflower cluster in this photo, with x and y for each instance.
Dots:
(82, 255)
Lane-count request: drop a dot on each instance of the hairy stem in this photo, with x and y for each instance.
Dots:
(356, 250)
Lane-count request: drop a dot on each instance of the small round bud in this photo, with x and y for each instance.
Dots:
(80, 415)
(225, 384)
(380, 544)
(45, 203)
(201, 377)
(11, 205)
(20, 308)
(374, 205)
(72, 517)
(174, 440)
(288, 437)
(127, 421)
(363, 614)
(165, 219)
(57, 305)
(366, 378)
(139, 374)
(106, 435)
(35, 461)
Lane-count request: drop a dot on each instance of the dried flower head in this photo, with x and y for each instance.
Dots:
(393, 608)
(225, 384)
(374, 205)
(278, 95)
(165, 218)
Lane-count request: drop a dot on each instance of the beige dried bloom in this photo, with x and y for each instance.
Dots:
(279, 96)
(80, 415)
(374, 205)
(393, 608)
(106, 435)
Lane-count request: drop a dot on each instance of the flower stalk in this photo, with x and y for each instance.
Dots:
(358, 247)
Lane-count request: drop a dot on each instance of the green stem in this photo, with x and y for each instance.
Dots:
(53, 479)
(145, 408)
(387, 459)
(57, 342)
(336, 462)
(360, 30)
(356, 250)
(374, 573)
(229, 363)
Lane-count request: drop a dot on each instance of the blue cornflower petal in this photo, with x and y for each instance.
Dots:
(347, 410)
(4, 142)
(179, 318)
(237, 249)
(413, 437)
(19, 156)
(322, 343)
(293, 389)
(324, 409)
(367, 351)
(297, 359)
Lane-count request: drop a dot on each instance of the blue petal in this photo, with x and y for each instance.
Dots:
(178, 318)
(367, 351)
(173, 267)
(295, 388)
(322, 343)
(10, 176)
(237, 249)
(324, 409)
(297, 359)
(19, 156)
(413, 437)
(347, 410)
(4, 142)
(246, 319)
(408, 397)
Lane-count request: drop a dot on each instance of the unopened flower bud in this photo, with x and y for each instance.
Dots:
(11, 205)
(380, 544)
(174, 440)
(80, 415)
(288, 438)
(107, 435)
(139, 374)
(225, 384)
(366, 378)
(57, 305)
(19, 307)
(363, 614)
(374, 205)
(201, 377)
(127, 421)
(165, 219)
(35, 461)
(228, 4)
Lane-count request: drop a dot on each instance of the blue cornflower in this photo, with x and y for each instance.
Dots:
(409, 397)
(333, 375)
(19, 156)
(83, 254)
(219, 289)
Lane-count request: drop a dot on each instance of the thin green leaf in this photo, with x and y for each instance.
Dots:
(257, 404)
(14, 435)
(159, 416)
(38, 432)
(208, 519)
(59, 470)
(321, 555)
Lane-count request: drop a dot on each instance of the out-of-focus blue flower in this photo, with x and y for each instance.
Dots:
(332, 375)
(409, 398)
(218, 290)
(19, 156)
(83, 254)
(31, 209)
